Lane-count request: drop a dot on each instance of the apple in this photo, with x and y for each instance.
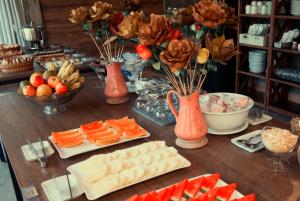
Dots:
(53, 81)
(146, 54)
(29, 90)
(43, 90)
(61, 88)
(140, 48)
(36, 79)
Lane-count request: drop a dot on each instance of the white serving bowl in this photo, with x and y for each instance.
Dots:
(228, 120)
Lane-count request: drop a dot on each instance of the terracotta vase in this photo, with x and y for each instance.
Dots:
(190, 127)
(116, 90)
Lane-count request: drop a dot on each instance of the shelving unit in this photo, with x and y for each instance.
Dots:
(268, 91)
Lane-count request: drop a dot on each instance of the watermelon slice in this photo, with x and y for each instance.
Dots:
(151, 196)
(165, 194)
(225, 192)
(250, 197)
(192, 188)
(209, 182)
(179, 190)
(202, 197)
(134, 198)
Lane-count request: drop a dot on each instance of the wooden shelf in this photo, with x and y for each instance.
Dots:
(288, 109)
(287, 17)
(278, 24)
(253, 46)
(256, 75)
(256, 16)
(286, 82)
(287, 50)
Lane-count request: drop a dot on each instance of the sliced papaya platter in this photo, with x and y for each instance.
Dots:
(100, 133)
(203, 188)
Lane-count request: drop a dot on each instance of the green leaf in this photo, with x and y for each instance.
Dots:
(87, 26)
(156, 65)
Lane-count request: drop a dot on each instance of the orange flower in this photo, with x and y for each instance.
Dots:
(178, 54)
(209, 13)
(130, 24)
(78, 15)
(155, 32)
(220, 49)
(100, 11)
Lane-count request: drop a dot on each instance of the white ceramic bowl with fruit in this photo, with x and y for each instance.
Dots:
(51, 89)
(225, 111)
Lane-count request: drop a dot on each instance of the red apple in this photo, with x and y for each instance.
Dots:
(29, 90)
(36, 79)
(140, 48)
(61, 88)
(53, 81)
(146, 54)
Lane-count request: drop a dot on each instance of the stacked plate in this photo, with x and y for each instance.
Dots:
(295, 7)
(257, 61)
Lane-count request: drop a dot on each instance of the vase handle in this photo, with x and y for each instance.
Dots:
(170, 103)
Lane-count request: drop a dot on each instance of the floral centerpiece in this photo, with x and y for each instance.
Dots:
(185, 46)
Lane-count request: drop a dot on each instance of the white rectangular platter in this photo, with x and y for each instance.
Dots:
(57, 189)
(106, 173)
(86, 146)
(220, 183)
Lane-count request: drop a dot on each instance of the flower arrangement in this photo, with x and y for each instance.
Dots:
(183, 44)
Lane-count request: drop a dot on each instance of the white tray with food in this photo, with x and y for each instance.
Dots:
(96, 135)
(105, 173)
(201, 188)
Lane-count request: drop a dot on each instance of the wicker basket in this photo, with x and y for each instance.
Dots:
(9, 51)
(17, 67)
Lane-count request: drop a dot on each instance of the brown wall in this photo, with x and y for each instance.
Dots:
(60, 30)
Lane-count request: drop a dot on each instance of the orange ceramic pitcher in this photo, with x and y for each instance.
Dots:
(190, 126)
(116, 90)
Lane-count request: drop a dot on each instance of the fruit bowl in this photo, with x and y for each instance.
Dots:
(225, 111)
(54, 103)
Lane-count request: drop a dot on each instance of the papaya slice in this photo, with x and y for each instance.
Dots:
(92, 126)
(103, 140)
(68, 138)
(134, 133)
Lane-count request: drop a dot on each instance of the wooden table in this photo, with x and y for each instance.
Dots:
(23, 119)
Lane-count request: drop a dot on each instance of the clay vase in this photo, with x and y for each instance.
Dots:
(190, 127)
(116, 90)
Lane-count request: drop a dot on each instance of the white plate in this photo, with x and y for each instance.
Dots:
(265, 118)
(229, 132)
(220, 183)
(90, 189)
(86, 146)
(245, 137)
(57, 190)
(37, 146)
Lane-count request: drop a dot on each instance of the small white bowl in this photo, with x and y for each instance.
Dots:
(228, 120)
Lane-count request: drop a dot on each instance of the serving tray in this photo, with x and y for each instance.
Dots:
(86, 146)
(236, 194)
(93, 187)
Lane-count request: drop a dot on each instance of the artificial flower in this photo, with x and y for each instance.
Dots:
(184, 16)
(130, 24)
(178, 54)
(220, 49)
(209, 13)
(155, 32)
(100, 11)
(202, 56)
(78, 15)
